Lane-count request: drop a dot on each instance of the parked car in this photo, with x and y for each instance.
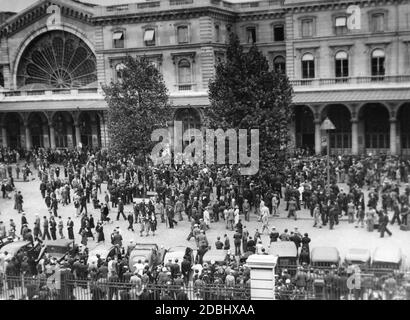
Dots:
(146, 251)
(358, 256)
(218, 256)
(104, 252)
(58, 249)
(386, 259)
(324, 257)
(287, 256)
(179, 252)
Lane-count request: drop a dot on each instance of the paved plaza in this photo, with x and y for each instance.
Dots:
(344, 236)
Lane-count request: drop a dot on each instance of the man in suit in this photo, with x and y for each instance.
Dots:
(46, 232)
(70, 227)
(384, 221)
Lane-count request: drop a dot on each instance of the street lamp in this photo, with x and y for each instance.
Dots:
(327, 125)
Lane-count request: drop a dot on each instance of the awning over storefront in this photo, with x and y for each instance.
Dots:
(340, 96)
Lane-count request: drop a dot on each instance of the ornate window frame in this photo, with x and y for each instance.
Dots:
(156, 35)
(124, 34)
(176, 58)
(276, 24)
(182, 24)
(371, 15)
(307, 18)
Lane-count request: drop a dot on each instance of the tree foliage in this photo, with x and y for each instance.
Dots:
(246, 94)
(138, 104)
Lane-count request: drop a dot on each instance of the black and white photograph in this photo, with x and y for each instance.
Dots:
(209, 151)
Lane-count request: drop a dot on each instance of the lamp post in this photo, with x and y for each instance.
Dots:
(327, 125)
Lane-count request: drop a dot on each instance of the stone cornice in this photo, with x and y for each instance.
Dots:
(31, 15)
(175, 14)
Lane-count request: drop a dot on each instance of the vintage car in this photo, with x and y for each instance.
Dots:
(359, 257)
(104, 252)
(18, 249)
(58, 249)
(287, 256)
(146, 251)
(218, 256)
(386, 259)
(324, 257)
(179, 252)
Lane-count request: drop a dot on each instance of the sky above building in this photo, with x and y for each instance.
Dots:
(18, 5)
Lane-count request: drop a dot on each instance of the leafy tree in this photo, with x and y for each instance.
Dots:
(246, 94)
(137, 105)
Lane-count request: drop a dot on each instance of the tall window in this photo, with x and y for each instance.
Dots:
(341, 65)
(1, 78)
(377, 64)
(308, 66)
(217, 34)
(279, 64)
(119, 69)
(279, 33)
(307, 28)
(182, 33)
(118, 38)
(378, 22)
(340, 25)
(184, 75)
(149, 37)
(250, 34)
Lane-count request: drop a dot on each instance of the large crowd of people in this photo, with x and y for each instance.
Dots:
(204, 195)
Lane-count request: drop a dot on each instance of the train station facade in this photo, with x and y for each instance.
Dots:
(55, 56)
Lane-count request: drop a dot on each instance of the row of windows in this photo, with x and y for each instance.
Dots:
(340, 24)
(278, 34)
(182, 33)
(342, 64)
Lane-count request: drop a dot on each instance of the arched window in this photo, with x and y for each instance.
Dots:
(184, 75)
(341, 64)
(279, 64)
(308, 66)
(377, 64)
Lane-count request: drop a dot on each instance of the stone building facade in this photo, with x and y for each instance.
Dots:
(56, 55)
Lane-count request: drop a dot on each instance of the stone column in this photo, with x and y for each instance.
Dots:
(70, 143)
(355, 137)
(28, 136)
(4, 137)
(393, 133)
(52, 136)
(77, 134)
(318, 137)
(262, 276)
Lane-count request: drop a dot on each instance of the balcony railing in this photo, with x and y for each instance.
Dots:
(146, 5)
(180, 2)
(22, 93)
(350, 80)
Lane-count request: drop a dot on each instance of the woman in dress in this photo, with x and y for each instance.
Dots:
(100, 232)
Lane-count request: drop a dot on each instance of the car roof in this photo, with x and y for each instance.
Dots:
(324, 254)
(389, 255)
(358, 254)
(217, 255)
(283, 249)
(59, 242)
(13, 247)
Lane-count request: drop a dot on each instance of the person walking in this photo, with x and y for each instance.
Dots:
(384, 221)
(237, 242)
(130, 219)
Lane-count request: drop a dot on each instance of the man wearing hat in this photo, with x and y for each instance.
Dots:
(274, 235)
(121, 209)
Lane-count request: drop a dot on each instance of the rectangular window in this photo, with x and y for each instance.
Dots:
(217, 34)
(182, 34)
(279, 33)
(340, 25)
(307, 28)
(378, 22)
(342, 68)
(308, 69)
(149, 37)
(251, 35)
(118, 38)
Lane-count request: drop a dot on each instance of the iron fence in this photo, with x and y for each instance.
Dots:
(34, 288)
